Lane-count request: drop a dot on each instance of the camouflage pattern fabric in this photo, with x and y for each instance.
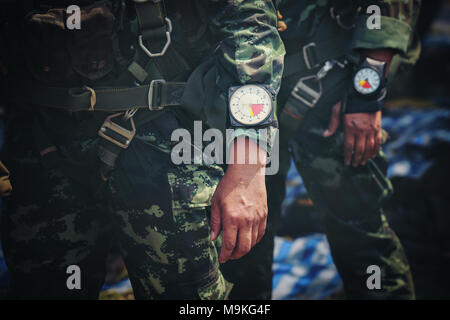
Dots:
(157, 212)
(350, 199)
(251, 52)
(301, 16)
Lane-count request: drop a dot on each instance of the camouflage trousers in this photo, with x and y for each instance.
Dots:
(349, 200)
(155, 211)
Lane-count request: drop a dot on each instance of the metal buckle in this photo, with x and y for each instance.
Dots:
(339, 21)
(109, 125)
(301, 86)
(168, 42)
(151, 90)
(306, 55)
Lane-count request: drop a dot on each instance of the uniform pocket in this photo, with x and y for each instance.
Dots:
(219, 289)
(192, 188)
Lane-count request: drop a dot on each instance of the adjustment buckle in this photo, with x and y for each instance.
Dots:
(309, 55)
(154, 95)
(115, 133)
(305, 93)
(166, 46)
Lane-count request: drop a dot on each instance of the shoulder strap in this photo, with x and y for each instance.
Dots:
(155, 43)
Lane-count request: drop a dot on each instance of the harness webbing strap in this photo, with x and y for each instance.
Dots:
(109, 99)
(153, 26)
(328, 43)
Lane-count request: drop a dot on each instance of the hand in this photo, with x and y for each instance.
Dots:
(362, 131)
(239, 206)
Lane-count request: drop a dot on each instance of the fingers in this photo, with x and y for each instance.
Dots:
(360, 145)
(262, 229)
(370, 146)
(348, 148)
(215, 221)
(334, 121)
(378, 143)
(255, 234)
(363, 137)
(244, 243)
(229, 237)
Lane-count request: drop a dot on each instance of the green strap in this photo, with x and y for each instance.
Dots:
(109, 99)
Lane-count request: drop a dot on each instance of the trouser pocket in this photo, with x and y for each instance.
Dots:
(198, 266)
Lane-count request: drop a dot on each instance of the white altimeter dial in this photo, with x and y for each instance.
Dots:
(250, 105)
(367, 81)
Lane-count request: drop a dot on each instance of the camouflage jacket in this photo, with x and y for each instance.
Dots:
(398, 18)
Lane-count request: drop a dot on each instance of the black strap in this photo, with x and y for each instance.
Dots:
(328, 43)
(153, 27)
(109, 99)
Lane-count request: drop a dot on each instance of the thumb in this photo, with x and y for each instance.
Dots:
(334, 121)
(215, 221)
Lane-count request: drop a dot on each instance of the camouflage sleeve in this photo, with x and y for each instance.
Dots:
(398, 19)
(250, 50)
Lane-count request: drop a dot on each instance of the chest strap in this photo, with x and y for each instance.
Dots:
(155, 96)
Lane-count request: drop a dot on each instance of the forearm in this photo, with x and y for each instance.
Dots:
(246, 154)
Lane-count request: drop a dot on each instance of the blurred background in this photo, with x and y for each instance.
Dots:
(417, 118)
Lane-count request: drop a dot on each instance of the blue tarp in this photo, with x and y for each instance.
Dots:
(303, 269)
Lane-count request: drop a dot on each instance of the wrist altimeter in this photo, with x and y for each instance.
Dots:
(368, 88)
(368, 79)
(250, 106)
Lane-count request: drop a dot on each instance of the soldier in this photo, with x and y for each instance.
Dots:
(334, 83)
(94, 92)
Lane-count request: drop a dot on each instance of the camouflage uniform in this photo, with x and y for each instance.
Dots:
(156, 211)
(349, 199)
